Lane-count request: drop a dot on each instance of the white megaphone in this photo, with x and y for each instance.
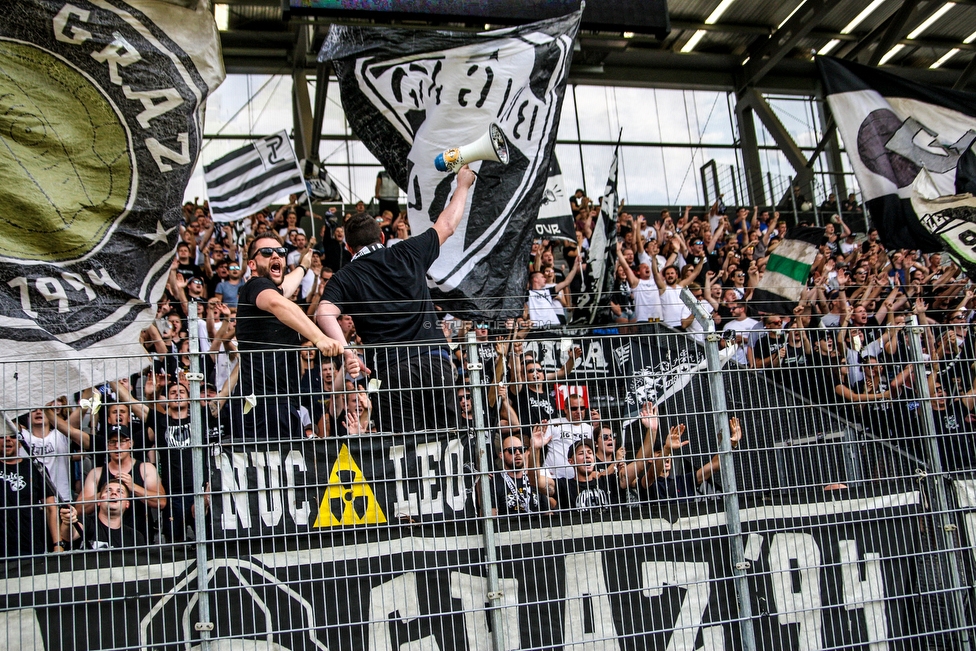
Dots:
(491, 146)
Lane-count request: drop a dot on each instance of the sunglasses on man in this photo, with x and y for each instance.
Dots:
(268, 251)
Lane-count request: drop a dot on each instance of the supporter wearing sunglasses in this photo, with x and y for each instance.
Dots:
(268, 322)
(515, 486)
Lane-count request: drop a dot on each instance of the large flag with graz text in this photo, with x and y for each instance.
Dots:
(101, 117)
(409, 95)
(911, 148)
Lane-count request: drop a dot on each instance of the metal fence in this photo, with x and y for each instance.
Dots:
(839, 519)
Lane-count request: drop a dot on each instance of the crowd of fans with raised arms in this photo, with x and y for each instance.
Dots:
(121, 476)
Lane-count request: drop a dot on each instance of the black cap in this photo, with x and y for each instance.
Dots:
(576, 446)
(118, 431)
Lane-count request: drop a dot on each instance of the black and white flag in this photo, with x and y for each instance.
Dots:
(555, 221)
(410, 95)
(248, 179)
(319, 184)
(602, 256)
(101, 120)
(896, 132)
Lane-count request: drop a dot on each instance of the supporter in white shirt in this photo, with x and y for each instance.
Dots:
(562, 433)
(742, 325)
(542, 308)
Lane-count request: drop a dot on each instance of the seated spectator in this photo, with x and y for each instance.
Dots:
(105, 529)
(28, 515)
(140, 480)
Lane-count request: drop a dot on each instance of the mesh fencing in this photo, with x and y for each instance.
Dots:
(629, 489)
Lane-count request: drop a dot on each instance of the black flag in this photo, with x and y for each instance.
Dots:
(410, 95)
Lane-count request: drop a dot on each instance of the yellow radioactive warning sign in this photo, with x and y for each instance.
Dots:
(348, 499)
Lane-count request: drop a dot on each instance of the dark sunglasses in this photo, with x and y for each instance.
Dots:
(515, 449)
(268, 251)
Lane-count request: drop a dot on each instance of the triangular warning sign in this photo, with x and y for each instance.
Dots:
(348, 499)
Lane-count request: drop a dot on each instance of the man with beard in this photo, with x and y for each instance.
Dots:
(385, 290)
(516, 487)
(268, 324)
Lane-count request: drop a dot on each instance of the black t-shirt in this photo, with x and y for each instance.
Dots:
(265, 369)
(596, 493)
(174, 457)
(514, 496)
(386, 292)
(174, 454)
(190, 270)
(99, 536)
(674, 487)
(23, 520)
(533, 408)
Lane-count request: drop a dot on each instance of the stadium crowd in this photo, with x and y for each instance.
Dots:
(122, 476)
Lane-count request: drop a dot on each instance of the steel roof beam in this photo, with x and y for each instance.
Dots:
(764, 54)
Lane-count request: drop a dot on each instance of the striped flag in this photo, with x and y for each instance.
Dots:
(248, 179)
(787, 271)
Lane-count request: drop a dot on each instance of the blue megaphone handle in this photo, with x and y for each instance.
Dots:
(440, 164)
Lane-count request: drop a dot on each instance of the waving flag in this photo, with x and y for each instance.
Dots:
(409, 95)
(895, 132)
(602, 256)
(101, 114)
(248, 179)
(788, 270)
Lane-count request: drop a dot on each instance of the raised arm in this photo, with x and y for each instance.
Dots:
(451, 216)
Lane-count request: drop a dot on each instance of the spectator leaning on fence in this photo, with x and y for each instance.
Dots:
(268, 325)
(107, 527)
(385, 290)
(140, 479)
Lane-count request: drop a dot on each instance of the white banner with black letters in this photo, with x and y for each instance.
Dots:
(410, 95)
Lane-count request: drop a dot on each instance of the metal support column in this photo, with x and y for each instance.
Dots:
(750, 155)
(302, 113)
(494, 596)
(204, 625)
(716, 386)
(939, 501)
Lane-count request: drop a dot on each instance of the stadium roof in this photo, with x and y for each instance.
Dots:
(716, 44)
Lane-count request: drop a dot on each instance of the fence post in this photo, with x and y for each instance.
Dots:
(494, 595)
(716, 385)
(203, 626)
(936, 483)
